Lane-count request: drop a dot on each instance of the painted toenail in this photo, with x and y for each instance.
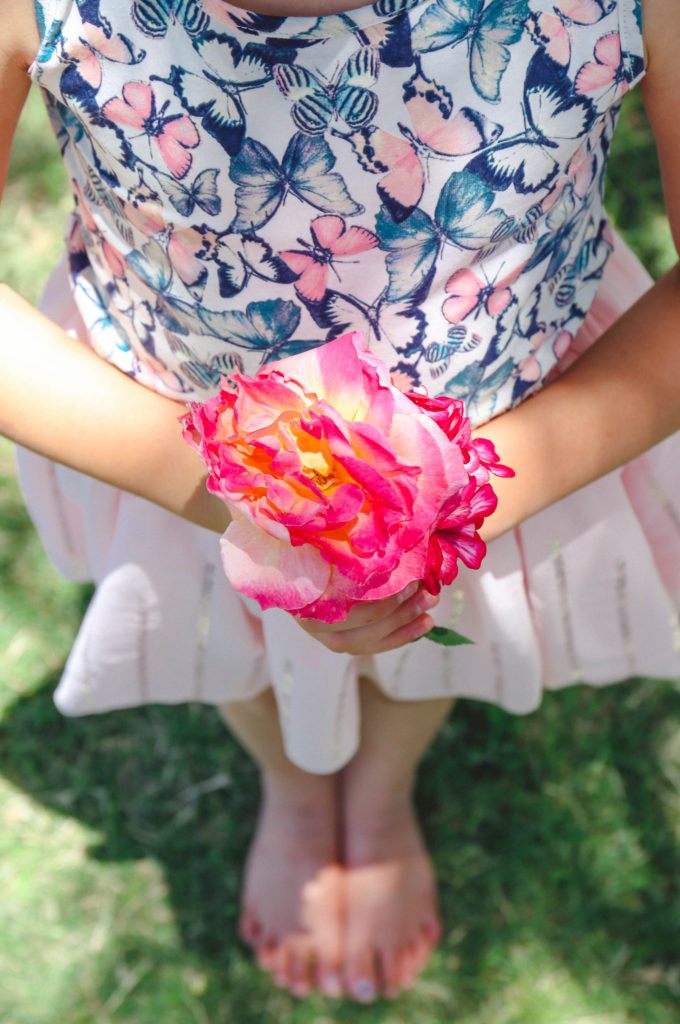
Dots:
(331, 986)
(364, 990)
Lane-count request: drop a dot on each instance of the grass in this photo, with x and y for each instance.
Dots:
(556, 837)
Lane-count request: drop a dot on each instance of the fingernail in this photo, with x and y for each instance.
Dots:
(427, 601)
(364, 990)
(410, 590)
(331, 986)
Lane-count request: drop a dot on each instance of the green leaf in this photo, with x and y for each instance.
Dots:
(448, 637)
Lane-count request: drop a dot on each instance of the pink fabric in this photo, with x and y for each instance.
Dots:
(587, 590)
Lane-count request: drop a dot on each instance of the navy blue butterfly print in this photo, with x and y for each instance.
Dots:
(391, 37)
(154, 17)
(552, 114)
(401, 322)
(217, 101)
(241, 256)
(347, 97)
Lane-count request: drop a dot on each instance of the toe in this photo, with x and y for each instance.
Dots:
(362, 982)
(431, 929)
(281, 972)
(409, 965)
(300, 969)
(388, 963)
(329, 982)
(328, 971)
(266, 955)
(249, 928)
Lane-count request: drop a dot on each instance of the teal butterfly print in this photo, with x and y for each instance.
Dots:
(178, 316)
(477, 387)
(151, 263)
(265, 326)
(488, 30)
(463, 218)
(207, 375)
(262, 183)
(348, 96)
(202, 192)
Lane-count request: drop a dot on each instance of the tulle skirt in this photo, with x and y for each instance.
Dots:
(586, 591)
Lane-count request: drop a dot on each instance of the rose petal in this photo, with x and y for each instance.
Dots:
(274, 573)
(331, 371)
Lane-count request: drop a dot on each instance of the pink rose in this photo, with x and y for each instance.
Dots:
(342, 489)
(455, 529)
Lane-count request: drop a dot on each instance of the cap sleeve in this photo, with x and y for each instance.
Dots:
(632, 40)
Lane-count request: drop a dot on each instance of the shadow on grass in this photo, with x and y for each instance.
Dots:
(551, 834)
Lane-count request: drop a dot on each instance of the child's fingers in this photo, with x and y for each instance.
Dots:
(364, 613)
(401, 636)
(406, 622)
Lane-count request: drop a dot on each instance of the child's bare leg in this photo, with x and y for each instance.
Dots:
(292, 904)
(392, 917)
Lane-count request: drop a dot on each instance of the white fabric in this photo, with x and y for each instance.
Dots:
(587, 590)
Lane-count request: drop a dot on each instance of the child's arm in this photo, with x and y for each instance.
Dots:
(60, 399)
(620, 398)
(63, 401)
(623, 395)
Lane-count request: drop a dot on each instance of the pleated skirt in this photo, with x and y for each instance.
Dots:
(587, 591)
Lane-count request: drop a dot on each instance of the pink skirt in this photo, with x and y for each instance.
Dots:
(586, 591)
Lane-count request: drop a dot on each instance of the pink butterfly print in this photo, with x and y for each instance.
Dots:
(145, 215)
(437, 131)
(467, 293)
(332, 240)
(172, 135)
(551, 31)
(379, 152)
(102, 250)
(185, 247)
(96, 45)
(404, 377)
(436, 128)
(529, 370)
(606, 71)
(114, 259)
(81, 205)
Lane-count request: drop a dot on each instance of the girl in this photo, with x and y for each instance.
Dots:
(247, 184)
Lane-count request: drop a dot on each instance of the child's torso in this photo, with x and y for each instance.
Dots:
(426, 171)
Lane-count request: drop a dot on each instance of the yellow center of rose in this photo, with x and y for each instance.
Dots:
(317, 468)
(316, 460)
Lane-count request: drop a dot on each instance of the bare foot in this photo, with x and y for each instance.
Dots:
(292, 905)
(392, 921)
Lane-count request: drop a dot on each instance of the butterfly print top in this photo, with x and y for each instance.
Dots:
(428, 172)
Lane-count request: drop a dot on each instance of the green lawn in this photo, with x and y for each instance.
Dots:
(556, 837)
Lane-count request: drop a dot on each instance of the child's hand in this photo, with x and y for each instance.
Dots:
(376, 626)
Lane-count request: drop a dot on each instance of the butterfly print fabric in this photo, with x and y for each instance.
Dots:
(427, 171)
